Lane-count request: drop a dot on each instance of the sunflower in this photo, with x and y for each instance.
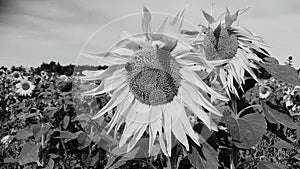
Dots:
(16, 75)
(152, 81)
(64, 77)
(2, 73)
(230, 49)
(44, 75)
(25, 87)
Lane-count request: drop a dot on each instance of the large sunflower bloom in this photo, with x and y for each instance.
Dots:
(152, 79)
(25, 87)
(230, 49)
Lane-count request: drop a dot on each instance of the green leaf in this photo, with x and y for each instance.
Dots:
(36, 129)
(251, 129)
(50, 164)
(232, 126)
(210, 19)
(66, 135)
(86, 159)
(66, 121)
(269, 61)
(117, 161)
(269, 165)
(53, 156)
(24, 134)
(298, 133)
(284, 73)
(276, 114)
(29, 153)
(258, 124)
(282, 144)
(10, 160)
(45, 128)
(204, 157)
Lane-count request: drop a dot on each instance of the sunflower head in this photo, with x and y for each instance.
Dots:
(153, 76)
(16, 75)
(220, 44)
(25, 87)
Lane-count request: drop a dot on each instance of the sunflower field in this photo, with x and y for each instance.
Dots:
(218, 101)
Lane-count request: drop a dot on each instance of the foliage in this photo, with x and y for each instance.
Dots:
(53, 127)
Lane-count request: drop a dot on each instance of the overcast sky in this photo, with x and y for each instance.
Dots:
(36, 31)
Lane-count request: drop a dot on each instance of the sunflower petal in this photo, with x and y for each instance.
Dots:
(188, 128)
(91, 72)
(193, 78)
(163, 25)
(134, 43)
(136, 137)
(173, 111)
(210, 19)
(110, 71)
(155, 120)
(146, 21)
(123, 51)
(107, 58)
(121, 111)
(195, 109)
(117, 97)
(167, 130)
(199, 98)
(107, 85)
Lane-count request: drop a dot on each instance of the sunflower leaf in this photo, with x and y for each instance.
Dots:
(204, 157)
(251, 129)
(282, 144)
(276, 114)
(29, 153)
(284, 73)
(269, 165)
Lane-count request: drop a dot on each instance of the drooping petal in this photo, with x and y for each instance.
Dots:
(173, 111)
(133, 128)
(195, 108)
(193, 78)
(107, 85)
(187, 126)
(121, 112)
(199, 98)
(167, 129)
(118, 96)
(136, 137)
(154, 125)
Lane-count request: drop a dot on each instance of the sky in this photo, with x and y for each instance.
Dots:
(36, 31)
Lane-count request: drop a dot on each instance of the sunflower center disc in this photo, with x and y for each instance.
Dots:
(25, 86)
(224, 46)
(16, 75)
(153, 76)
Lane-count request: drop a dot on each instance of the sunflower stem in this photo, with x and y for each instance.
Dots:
(244, 109)
(235, 151)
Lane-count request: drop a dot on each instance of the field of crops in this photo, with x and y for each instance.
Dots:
(46, 123)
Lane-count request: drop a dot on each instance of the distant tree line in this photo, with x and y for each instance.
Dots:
(57, 68)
